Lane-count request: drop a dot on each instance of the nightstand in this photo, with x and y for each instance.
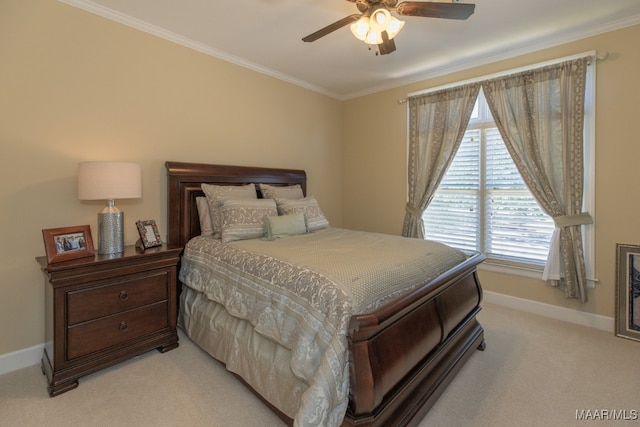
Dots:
(104, 309)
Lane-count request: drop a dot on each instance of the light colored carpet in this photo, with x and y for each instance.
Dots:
(535, 372)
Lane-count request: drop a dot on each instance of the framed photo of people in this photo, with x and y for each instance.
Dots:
(66, 243)
(628, 292)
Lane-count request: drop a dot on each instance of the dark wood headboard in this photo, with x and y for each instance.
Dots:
(183, 186)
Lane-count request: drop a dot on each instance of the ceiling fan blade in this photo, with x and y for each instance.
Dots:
(436, 10)
(387, 45)
(331, 28)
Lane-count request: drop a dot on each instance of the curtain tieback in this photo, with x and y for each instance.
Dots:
(414, 211)
(571, 220)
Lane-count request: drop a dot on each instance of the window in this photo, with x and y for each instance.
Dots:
(483, 204)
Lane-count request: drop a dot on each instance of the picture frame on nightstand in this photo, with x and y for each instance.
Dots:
(66, 243)
(149, 235)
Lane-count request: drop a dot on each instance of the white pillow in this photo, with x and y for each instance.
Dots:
(244, 218)
(215, 193)
(276, 192)
(307, 205)
(206, 227)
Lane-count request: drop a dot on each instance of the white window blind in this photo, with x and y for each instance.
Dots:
(482, 203)
(452, 217)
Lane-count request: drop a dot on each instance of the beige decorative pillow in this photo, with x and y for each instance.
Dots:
(244, 218)
(215, 193)
(276, 192)
(206, 227)
(307, 205)
(285, 225)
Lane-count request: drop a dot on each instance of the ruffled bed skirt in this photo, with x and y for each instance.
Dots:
(261, 362)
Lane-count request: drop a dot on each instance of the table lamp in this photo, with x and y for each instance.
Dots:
(109, 181)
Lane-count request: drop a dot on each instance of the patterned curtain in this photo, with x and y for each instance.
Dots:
(437, 123)
(540, 115)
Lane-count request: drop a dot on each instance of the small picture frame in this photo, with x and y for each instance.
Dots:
(66, 243)
(628, 291)
(149, 235)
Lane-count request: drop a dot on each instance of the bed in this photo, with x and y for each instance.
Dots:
(399, 354)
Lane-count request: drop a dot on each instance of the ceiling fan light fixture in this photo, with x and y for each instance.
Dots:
(369, 29)
(360, 28)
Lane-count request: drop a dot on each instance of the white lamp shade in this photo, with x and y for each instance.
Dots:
(395, 25)
(360, 28)
(109, 180)
(374, 37)
(380, 19)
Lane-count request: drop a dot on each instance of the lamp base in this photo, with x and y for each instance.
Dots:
(110, 230)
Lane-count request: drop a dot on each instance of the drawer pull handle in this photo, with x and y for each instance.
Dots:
(123, 326)
(124, 295)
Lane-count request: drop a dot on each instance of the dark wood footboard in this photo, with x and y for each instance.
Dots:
(403, 355)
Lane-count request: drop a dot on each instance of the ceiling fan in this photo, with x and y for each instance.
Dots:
(375, 25)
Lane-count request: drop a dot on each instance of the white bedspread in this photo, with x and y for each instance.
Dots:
(301, 292)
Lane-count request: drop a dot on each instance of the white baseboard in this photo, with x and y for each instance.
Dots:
(21, 359)
(591, 320)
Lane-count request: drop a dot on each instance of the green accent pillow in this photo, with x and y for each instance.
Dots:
(285, 225)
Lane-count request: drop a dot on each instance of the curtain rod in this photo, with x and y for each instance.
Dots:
(598, 56)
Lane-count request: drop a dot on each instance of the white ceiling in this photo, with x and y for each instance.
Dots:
(265, 35)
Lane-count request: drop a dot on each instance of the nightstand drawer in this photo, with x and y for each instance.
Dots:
(99, 334)
(130, 293)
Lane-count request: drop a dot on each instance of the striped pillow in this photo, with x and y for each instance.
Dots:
(244, 218)
(215, 193)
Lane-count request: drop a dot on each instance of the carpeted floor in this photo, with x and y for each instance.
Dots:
(535, 372)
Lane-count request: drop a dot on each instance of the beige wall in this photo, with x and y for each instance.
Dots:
(77, 87)
(375, 162)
